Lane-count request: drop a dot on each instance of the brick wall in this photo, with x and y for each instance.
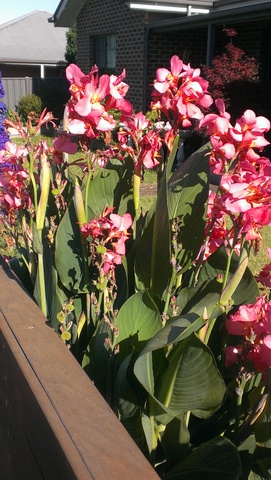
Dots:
(100, 17)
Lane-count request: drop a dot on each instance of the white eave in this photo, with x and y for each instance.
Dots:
(228, 11)
(67, 12)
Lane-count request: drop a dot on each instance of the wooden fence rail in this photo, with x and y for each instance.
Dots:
(54, 424)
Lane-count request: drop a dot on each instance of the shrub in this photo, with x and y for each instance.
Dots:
(233, 74)
(29, 103)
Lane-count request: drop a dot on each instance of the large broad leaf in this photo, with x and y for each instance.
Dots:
(112, 187)
(215, 266)
(216, 459)
(190, 380)
(70, 253)
(175, 440)
(128, 407)
(183, 196)
(261, 469)
(200, 299)
(96, 360)
(54, 290)
(152, 259)
(161, 241)
(138, 321)
(187, 196)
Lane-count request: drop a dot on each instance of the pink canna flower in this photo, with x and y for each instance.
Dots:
(63, 143)
(78, 79)
(233, 355)
(14, 192)
(180, 94)
(13, 153)
(110, 231)
(92, 98)
(144, 142)
(264, 276)
(110, 260)
(118, 90)
(251, 323)
(93, 95)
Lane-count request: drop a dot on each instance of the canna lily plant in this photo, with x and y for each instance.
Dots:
(160, 309)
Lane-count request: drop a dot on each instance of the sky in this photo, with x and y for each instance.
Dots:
(16, 8)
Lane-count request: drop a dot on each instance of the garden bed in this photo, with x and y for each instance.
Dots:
(54, 423)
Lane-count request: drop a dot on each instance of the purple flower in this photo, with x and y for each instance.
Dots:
(4, 137)
(2, 91)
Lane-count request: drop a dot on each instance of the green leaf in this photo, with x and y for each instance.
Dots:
(187, 196)
(215, 266)
(190, 380)
(128, 407)
(152, 260)
(175, 440)
(70, 253)
(112, 187)
(261, 469)
(200, 298)
(138, 321)
(216, 459)
(161, 240)
(54, 290)
(96, 359)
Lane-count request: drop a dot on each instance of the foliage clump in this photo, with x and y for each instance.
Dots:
(71, 46)
(29, 105)
(232, 73)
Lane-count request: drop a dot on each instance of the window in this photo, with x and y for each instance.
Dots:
(105, 53)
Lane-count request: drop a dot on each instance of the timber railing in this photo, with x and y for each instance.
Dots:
(54, 424)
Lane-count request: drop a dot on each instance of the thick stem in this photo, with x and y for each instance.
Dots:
(44, 194)
(33, 181)
(169, 292)
(136, 190)
(41, 277)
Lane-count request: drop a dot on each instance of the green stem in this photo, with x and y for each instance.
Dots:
(33, 180)
(31, 263)
(227, 269)
(87, 188)
(136, 190)
(239, 400)
(45, 177)
(41, 277)
(169, 292)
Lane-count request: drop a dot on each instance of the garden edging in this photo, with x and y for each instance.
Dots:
(54, 423)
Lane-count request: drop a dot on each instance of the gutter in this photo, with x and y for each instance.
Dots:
(232, 15)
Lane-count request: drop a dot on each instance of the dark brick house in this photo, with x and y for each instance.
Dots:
(141, 37)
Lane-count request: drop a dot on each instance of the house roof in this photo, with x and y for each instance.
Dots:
(68, 10)
(32, 39)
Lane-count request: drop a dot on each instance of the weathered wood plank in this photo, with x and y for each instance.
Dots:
(71, 431)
